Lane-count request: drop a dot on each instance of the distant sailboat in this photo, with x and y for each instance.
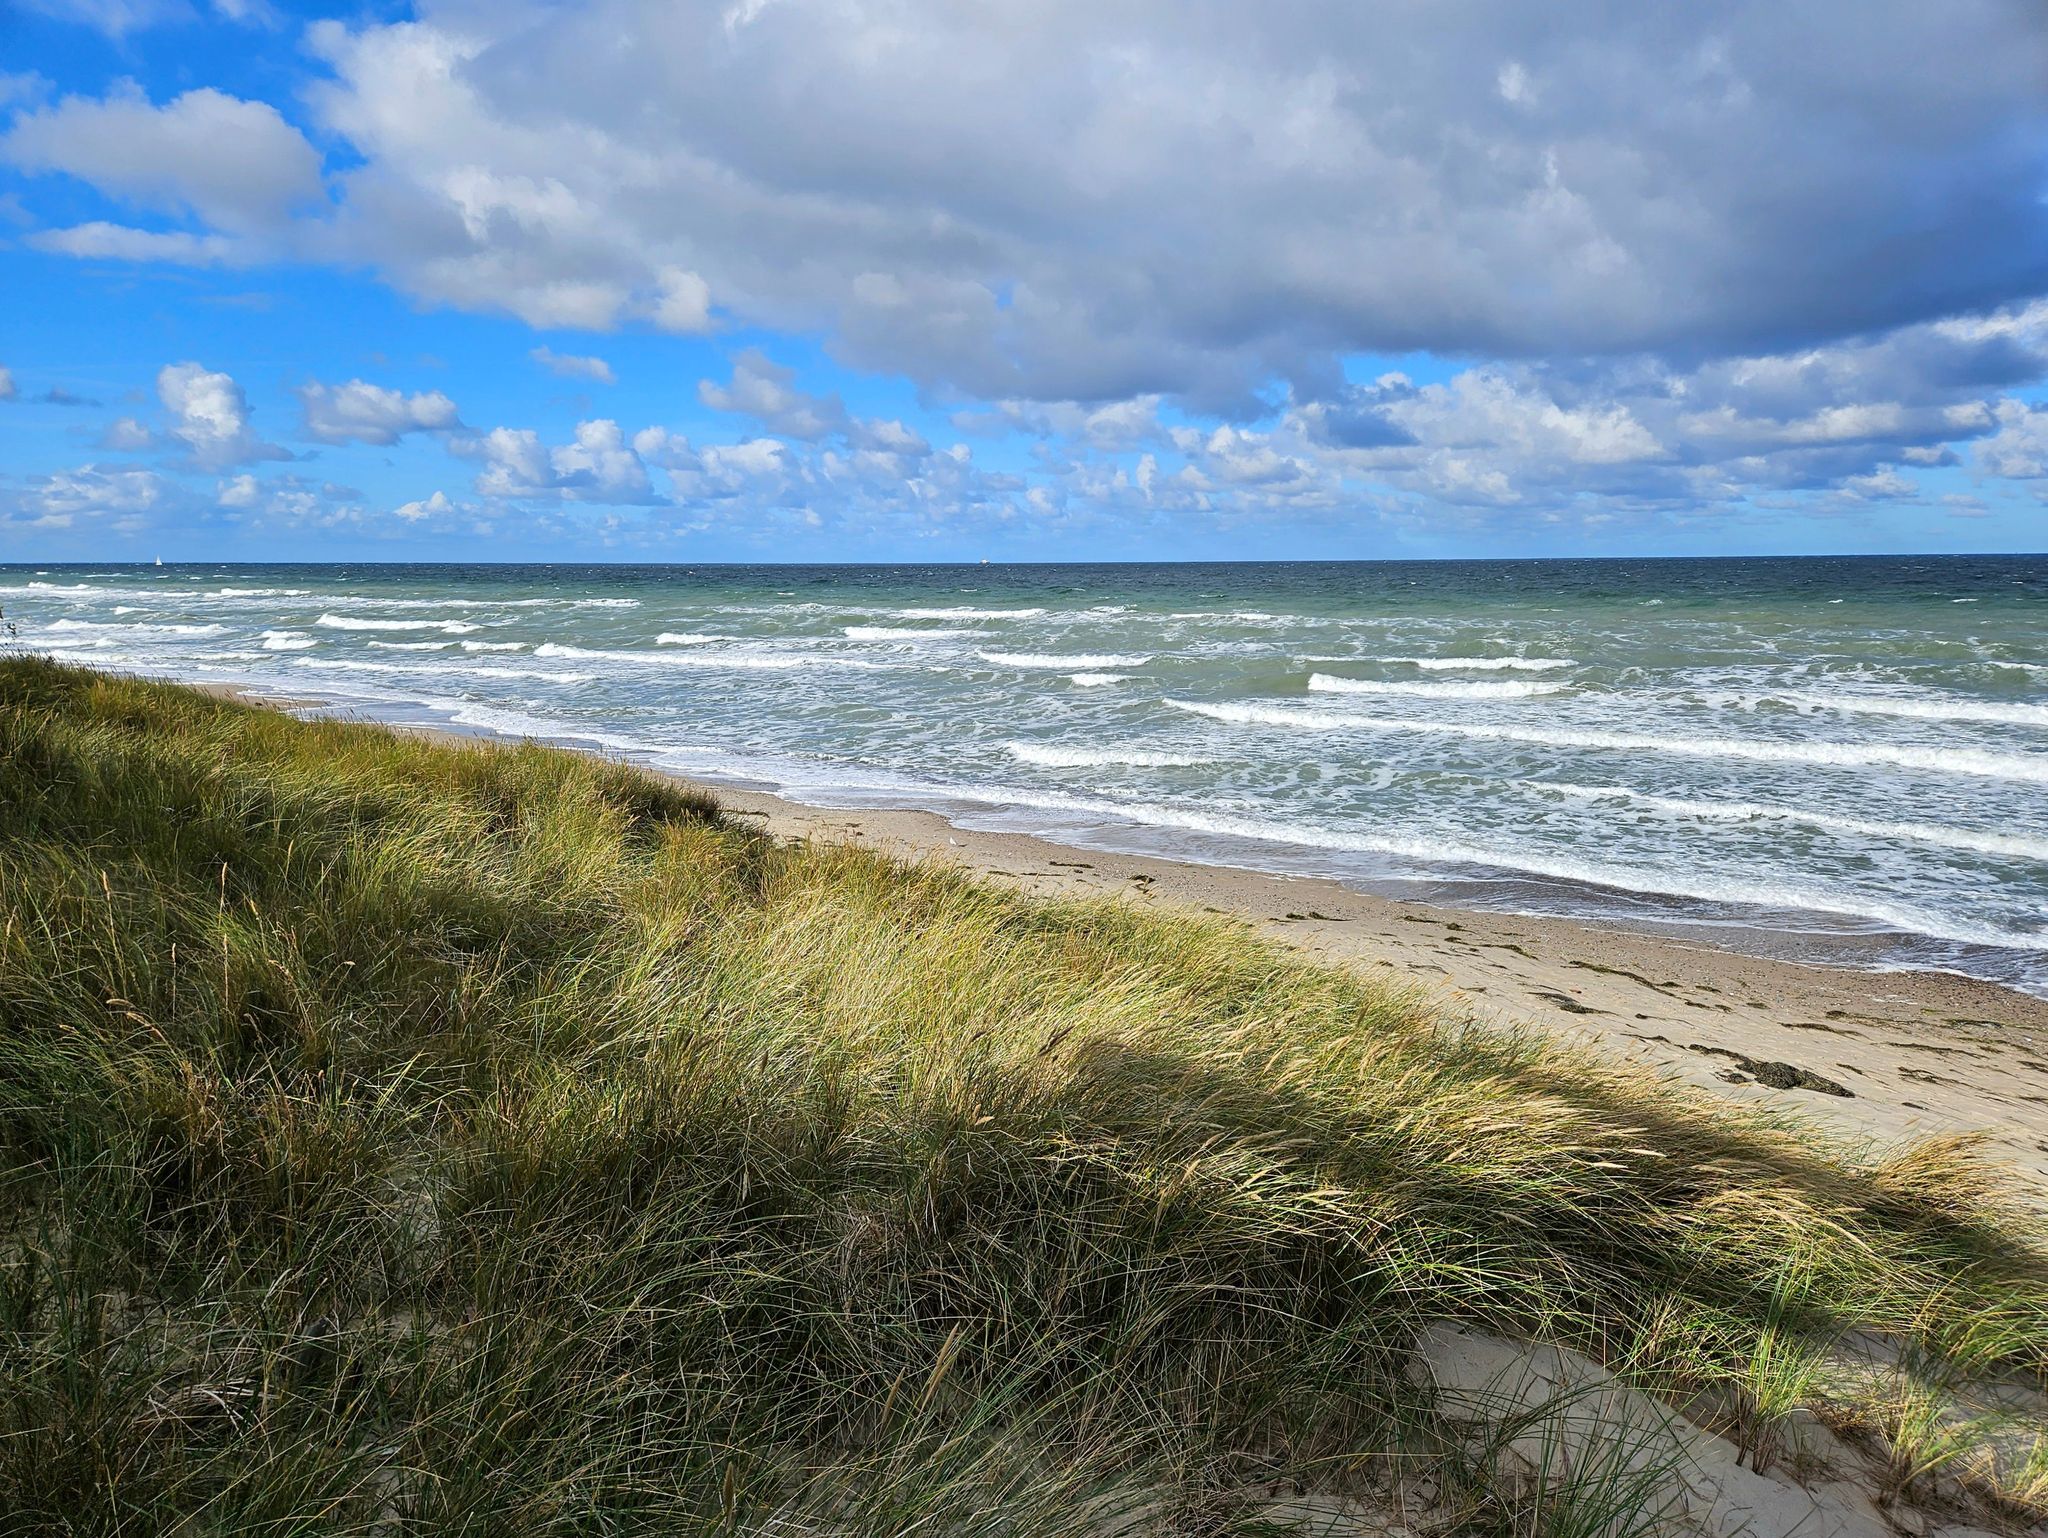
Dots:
(159, 560)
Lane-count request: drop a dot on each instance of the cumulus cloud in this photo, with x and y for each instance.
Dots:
(237, 165)
(2019, 448)
(8, 389)
(892, 438)
(435, 506)
(286, 499)
(596, 465)
(1644, 432)
(210, 416)
(121, 496)
(358, 412)
(599, 466)
(1073, 202)
(570, 366)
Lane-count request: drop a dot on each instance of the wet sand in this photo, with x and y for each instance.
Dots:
(1868, 1055)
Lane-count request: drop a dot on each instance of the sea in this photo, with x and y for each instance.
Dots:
(1833, 760)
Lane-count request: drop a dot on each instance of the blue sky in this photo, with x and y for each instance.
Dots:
(845, 279)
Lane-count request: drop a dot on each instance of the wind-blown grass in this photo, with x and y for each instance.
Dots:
(397, 1135)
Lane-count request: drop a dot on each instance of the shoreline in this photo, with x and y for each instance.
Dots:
(1918, 1053)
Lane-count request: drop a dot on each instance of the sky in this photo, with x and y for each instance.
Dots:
(934, 280)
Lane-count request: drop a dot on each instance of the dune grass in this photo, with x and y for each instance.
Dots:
(399, 1136)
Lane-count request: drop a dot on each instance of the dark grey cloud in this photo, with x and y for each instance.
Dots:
(1065, 200)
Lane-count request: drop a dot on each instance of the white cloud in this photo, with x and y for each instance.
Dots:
(125, 435)
(570, 366)
(285, 499)
(659, 446)
(210, 415)
(98, 491)
(682, 303)
(243, 491)
(358, 412)
(597, 465)
(764, 391)
(435, 506)
(100, 240)
(2019, 449)
(7, 386)
(755, 459)
(515, 462)
(891, 437)
(1486, 407)
(236, 164)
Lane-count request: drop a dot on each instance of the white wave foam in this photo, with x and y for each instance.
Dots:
(1946, 708)
(1510, 689)
(493, 646)
(1438, 850)
(1481, 664)
(2031, 768)
(1097, 680)
(2007, 845)
(136, 628)
(965, 613)
(410, 646)
(675, 638)
(288, 641)
(83, 589)
(258, 592)
(769, 661)
(383, 601)
(446, 670)
(1051, 757)
(445, 626)
(900, 633)
(490, 670)
(355, 665)
(1089, 664)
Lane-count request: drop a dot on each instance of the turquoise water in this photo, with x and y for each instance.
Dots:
(1844, 760)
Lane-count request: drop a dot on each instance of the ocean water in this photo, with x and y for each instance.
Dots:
(1841, 760)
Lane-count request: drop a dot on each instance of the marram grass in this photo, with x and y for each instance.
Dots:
(398, 1136)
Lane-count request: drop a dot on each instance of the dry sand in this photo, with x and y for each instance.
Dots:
(1915, 1052)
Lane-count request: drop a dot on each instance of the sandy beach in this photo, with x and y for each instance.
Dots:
(1868, 1055)
(1889, 1055)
